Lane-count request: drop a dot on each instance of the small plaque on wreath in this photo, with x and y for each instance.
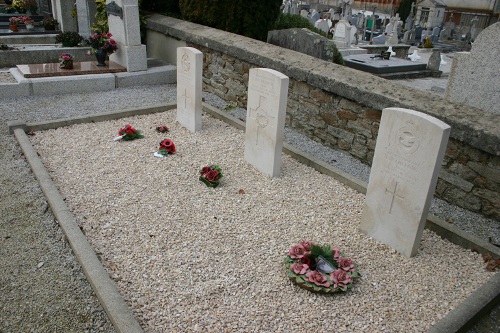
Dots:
(320, 268)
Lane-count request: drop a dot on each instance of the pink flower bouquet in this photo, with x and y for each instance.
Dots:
(320, 268)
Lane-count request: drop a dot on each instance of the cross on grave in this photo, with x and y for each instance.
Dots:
(394, 195)
(260, 116)
(186, 97)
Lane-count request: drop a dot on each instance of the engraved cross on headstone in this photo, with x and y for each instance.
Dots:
(394, 195)
(260, 116)
(186, 97)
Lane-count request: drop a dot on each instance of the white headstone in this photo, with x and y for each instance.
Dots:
(265, 124)
(408, 155)
(189, 82)
(342, 34)
(340, 30)
(304, 13)
(124, 25)
(388, 28)
(322, 25)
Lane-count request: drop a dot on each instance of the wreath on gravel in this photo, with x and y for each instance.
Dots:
(320, 268)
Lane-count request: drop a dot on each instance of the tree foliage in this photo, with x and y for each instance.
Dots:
(405, 8)
(248, 18)
(170, 7)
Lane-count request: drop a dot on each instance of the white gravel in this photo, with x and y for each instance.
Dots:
(190, 258)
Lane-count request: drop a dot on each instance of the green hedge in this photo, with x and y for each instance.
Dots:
(252, 18)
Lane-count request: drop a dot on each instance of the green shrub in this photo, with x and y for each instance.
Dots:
(69, 38)
(167, 7)
(288, 21)
(248, 18)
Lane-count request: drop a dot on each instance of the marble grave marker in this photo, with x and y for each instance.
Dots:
(265, 125)
(408, 154)
(189, 79)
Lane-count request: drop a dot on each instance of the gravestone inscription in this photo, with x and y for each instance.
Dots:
(265, 126)
(408, 155)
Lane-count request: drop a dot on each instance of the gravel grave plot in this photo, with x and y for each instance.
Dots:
(190, 258)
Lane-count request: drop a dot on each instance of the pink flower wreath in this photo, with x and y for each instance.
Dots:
(319, 268)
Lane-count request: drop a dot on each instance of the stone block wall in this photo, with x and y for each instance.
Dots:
(341, 108)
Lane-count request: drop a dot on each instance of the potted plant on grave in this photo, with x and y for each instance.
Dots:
(9, 10)
(18, 5)
(50, 23)
(69, 38)
(102, 45)
(66, 61)
(29, 22)
(14, 22)
(31, 6)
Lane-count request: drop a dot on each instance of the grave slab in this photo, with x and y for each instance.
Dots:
(408, 154)
(189, 87)
(266, 111)
(376, 65)
(79, 68)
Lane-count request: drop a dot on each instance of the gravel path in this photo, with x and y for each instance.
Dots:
(187, 257)
(36, 292)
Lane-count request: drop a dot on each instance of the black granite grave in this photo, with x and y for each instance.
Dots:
(375, 64)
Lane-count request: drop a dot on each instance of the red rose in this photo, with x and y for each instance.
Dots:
(318, 279)
(336, 253)
(297, 252)
(340, 278)
(299, 268)
(346, 264)
(212, 175)
(205, 170)
(306, 245)
(306, 261)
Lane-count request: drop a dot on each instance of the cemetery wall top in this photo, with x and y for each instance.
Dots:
(470, 125)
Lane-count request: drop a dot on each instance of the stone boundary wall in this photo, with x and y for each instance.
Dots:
(341, 107)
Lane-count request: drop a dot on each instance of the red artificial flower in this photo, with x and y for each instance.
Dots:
(346, 264)
(317, 278)
(299, 268)
(297, 252)
(212, 175)
(168, 145)
(205, 170)
(340, 278)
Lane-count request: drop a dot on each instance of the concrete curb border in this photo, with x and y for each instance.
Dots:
(119, 313)
(458, 320)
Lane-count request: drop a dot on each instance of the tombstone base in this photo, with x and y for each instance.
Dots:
(134, 58)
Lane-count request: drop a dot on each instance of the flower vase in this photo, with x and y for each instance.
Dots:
(101, 57)
(30, 27)
(68, 64)
(13, 28)
(209, 183)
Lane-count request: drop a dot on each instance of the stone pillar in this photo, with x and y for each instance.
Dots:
(62, 12)
(86, 10)
(124, 25)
